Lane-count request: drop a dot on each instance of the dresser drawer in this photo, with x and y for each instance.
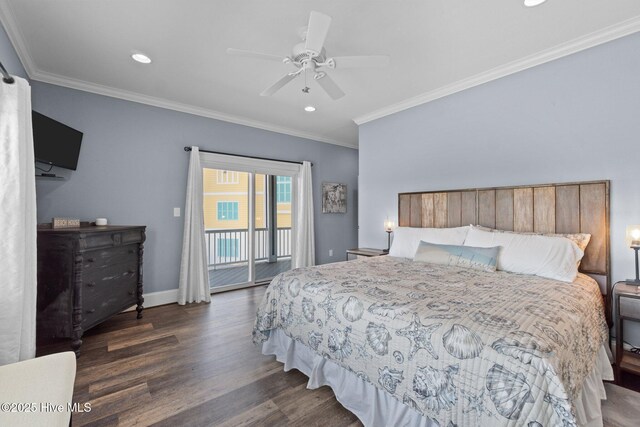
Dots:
(103, 299)
(97, 260)
(99, 284)
(111, 239)
(630, 307)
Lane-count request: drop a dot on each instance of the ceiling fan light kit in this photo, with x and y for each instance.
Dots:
(310, 57)
(533, 3)
(141, 58)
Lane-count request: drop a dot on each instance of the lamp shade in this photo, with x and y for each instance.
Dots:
(633, 235)
(388, 225)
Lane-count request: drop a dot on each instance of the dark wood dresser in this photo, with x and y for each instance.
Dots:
(85, 276)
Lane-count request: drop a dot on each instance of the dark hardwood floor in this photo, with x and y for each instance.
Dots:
(193, 365)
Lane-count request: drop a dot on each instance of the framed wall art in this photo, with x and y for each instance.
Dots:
(334, 197)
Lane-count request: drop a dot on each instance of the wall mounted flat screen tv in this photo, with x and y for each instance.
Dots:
(55, 143)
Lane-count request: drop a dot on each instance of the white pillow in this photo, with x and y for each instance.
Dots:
(407, 239)
(580, 239)
(545, 256)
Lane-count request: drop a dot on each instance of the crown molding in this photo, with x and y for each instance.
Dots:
(176, 106)
(581, 43)
(17, 39)
(596, 38)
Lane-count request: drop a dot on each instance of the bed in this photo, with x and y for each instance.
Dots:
(407, 343)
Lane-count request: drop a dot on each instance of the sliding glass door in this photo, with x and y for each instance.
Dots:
(247, 225)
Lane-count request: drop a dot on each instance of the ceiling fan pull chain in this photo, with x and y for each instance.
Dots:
(306, 87)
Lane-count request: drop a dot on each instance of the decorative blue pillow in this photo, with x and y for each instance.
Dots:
(484, 259)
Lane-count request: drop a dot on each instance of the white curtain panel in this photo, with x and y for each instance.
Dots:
(194, 271)
(304, 254)
(17, 225)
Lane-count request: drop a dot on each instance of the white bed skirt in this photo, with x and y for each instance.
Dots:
(376, 408)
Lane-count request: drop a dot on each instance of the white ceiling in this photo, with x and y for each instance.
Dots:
(437, 47)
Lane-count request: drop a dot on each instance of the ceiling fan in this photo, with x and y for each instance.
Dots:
(310, 57)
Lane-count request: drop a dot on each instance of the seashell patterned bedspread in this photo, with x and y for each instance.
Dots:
(463, 347)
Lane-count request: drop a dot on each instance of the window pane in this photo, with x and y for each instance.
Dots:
(225, 204)
(227, 177)
(228, 248)
(283, 189)
(228, 211)
(273, 240)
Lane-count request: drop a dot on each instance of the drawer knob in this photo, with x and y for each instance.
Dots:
(91, 311)
(91, 284)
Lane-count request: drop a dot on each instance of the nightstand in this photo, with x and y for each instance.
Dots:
(627, 303)
(368, 252)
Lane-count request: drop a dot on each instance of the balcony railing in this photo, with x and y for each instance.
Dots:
(231, 246)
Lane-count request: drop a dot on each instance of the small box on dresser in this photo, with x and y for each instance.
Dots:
(86, 275)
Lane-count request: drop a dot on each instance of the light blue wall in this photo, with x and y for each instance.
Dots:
(132, 170)
(573, 119)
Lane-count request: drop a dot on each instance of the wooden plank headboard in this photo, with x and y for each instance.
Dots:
(580, 207)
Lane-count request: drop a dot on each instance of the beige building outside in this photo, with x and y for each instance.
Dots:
(226, 201)
(226, 210)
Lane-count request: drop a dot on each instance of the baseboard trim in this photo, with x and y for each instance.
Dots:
(154, 299)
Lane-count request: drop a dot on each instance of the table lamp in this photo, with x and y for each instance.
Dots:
(388, 227)
(633, 239)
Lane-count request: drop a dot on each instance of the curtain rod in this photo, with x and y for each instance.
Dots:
(6, 77)
(247, 157)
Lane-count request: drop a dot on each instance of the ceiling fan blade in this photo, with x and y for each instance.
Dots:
(317, 32)
(361, 61)
(330, 87)
(257, 55)
(278, 85)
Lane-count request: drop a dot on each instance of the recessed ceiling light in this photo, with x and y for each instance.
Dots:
(309, 108)
(141, 58)
(532, 3)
